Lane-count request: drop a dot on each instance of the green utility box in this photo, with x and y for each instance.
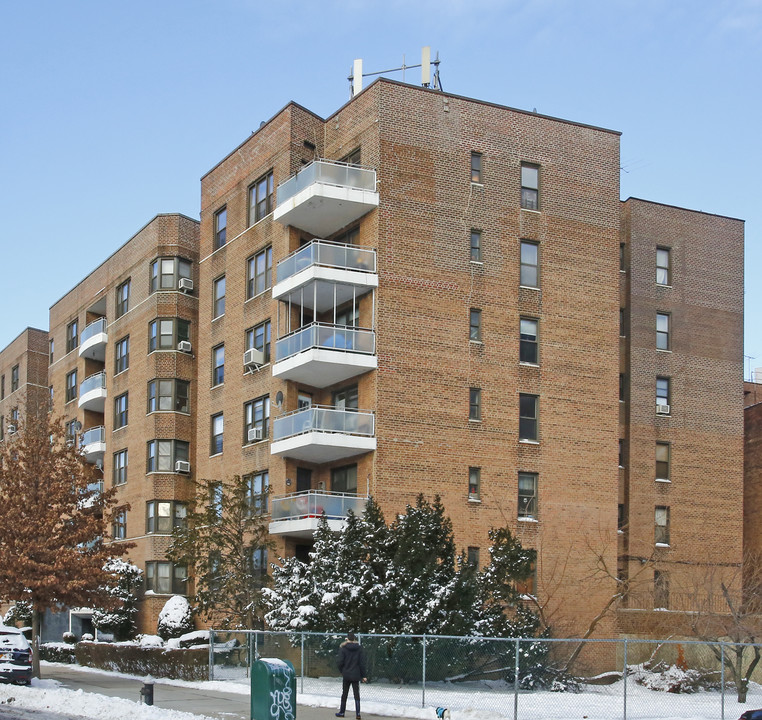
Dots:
(273, 690)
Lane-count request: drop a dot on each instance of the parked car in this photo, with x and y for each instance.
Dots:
(15, 656)
(751, 715)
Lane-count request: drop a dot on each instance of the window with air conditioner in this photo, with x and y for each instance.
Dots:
(164, 455)
(258, 338)
(256, 419)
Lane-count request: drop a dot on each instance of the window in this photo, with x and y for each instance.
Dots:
(257, 488)
(218, 306)
(256, 416)
(344, 479)
(167, 272)
(476, 167)
(122, 298)
(167, 333)
(168, 396)
(622, 386)
(215, 498)
(661, 589)
(259, 337)
(475, 325)
(259, 561)
(528, 345)
(622, 322)
(163, 516)
(166, 578)
(51, 351)
(119, 525)
(528, 586)
(530, 187)
(163, 454)
(662, 331)
(120, 467)
(50, 399)
(661, 525)
(216, 438)
(621, 453)
(663, 266)
(218, 365)
(259, 273)
(71, 431)
(528, 417)
(2, 387)
(261, 198)
(474, 483)
(472, 558)
(476, 246)
(620, 517)
(14, 378)
(71, 386)
(120, 411)
(662, 394)
(220, 228)
(72, 336)
(662, 461)
(622, 259)
(346, 398)
(2, 427)
(528, 495)
(122, 355)
(529, 270)
(474, 404)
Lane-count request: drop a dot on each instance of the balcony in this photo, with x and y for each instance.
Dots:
(297, 514)
(92, 343)
(94, 444)
(326, 273)
(325, 196)
(322, 354)
(320, 434)
(92, 393)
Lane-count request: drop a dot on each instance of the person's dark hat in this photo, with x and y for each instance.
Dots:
(351, 637)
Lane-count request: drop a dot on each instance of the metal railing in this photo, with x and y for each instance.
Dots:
(94, 435)
(95, 327)
(313, 503)
(324, 419)
(327, 254)
(507, 677)
(327, 172)
(94, 382)
(327, 336)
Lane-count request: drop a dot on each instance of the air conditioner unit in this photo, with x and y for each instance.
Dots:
(184, 346)
(662, 409)
(11, 429)
(182, 466)
(255, 434)
(253, 357)
(185, 284)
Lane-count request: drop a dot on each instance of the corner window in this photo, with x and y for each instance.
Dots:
(474, 483)
(72, 336)
(258, 338)
(528, 341)
(166, 273)
(166, 578)
(121, 355)
(528, 495)
(216, 444)
(475, 404)
(261, 198)
(14, 378)
(119, 525)
(344, 479)
(120, 467)
(218, 365)
(219, 297)
(256, 420)
(220, 228)
(163, 516)
(168, 395)
(120, 411)
(530, 186)
(528, 426)
(662, 461)
(662, 331)
(528, 586)
(475, 325)
(476, 246)
(476, 167)
(71, 386)
(530, 265)
(167, 333)
(257, 488)
(661, 525)
(663, 266)
(162, 455)
(122, 298)
(259, 273)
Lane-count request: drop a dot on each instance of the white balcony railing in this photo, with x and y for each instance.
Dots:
(327, 254)
(93, 341)
(327, 172)
(327, 419)
(94, 436)
(328, 337)
(94, 328)
(298, 514)
(94, 382)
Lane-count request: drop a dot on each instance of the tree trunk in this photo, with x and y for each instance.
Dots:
(35, 641)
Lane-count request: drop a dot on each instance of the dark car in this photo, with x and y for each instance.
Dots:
(751, 715)
(15, 656)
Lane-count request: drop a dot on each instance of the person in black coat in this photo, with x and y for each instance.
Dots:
(351, 662)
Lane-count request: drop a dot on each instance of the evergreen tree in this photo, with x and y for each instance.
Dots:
(124, 581)
(288, 602)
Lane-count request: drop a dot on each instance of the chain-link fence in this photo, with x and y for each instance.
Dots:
(512, 678)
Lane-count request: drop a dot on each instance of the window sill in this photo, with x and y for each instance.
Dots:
(474, 499)
(624, 272)
(219, 317)
(528, 364)
(528, 519)
(620, 531)
(477, 262)
(121, 427)
(475, 420)
(663, 480)
(662, 285)
(255, 442)
(258, 295)
(214, 455)
(218, 385)
(167, 412)
(538, 212)
(475, 342)
(621, 467)
(662, 545)
(530, 287)
(477, 184)
(663, 351)
(524, 441)
(167, 472)
(117, 374)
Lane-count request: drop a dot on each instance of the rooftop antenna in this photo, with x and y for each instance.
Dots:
(749, 374)
(427, 78)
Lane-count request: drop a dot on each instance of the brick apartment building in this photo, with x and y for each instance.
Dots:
(425, 293)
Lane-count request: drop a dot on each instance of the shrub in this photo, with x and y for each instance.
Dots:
(57, 652)
(191, 664)
(175, 619)
(69, 637)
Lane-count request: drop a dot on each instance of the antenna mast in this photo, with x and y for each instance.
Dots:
(427, 80)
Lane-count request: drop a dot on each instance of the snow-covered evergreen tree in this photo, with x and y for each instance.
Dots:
(175, 618)
(21, 612)
(120, 621)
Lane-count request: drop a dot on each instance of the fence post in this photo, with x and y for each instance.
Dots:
(211, 654)
(722, 681)
(301, 688)
(516, 681)
(423, 683)
(624, 678)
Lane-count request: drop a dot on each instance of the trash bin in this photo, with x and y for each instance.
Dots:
(273, 690)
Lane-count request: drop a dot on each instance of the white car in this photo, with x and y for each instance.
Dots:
(15, 656)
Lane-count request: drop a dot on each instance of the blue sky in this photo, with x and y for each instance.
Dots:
(111, 112)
